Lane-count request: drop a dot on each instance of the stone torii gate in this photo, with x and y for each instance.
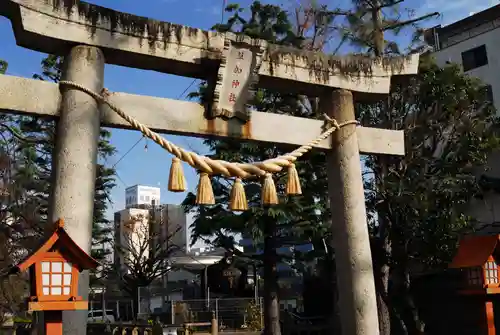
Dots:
(89, 36)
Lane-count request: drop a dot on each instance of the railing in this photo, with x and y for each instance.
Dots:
(232, 313)
(92, 329)
(192, 327)
(118, 328)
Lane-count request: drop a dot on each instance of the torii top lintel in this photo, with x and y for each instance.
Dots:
(68, 247)
(54, 26)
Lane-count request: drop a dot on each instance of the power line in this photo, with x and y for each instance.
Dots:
(128, 151)
(187, 88)
(223, 8)
(120, 179)
(179, 97)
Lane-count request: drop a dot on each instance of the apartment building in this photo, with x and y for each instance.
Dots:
(473, 43)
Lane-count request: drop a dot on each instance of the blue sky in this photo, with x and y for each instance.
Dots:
(151, 167)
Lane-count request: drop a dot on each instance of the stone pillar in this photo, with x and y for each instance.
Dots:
(74, 162)
(350, 239)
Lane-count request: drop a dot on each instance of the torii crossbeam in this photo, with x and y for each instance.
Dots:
(89, 36)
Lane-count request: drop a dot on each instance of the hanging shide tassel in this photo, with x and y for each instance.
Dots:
(269, 195)
(176, 180)
(238, 199)
(205, 193)
(293, 183)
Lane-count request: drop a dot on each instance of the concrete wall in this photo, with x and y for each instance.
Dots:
(489, 73)
(133, 233)
(142, 195)
(170, 219)
(487, 210)
(174, 222)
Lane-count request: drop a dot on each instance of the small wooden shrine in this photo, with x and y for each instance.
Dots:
(53, 269)
(478, 257)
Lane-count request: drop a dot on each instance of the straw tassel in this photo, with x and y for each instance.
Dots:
(238, 199)
(176, 180)
(293, 183)
(269, 195)
(205, 193)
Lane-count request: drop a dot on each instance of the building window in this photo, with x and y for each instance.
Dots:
(474, 58)
(56, 278)
(474, 276)
(491, 271)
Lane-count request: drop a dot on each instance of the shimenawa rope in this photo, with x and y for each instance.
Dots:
(210, 166)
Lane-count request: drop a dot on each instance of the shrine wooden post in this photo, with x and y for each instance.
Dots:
(89, 36)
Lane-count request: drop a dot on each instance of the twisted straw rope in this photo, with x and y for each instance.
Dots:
(206, 164)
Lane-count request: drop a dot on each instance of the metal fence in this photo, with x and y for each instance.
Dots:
(231, 313)
(123, 308)
(144, 309)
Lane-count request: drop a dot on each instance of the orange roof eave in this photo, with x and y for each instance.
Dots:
(474, 251)
(84, 260)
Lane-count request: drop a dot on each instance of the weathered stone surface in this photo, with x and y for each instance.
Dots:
(75, 163)
(350, 239)
(21, 95)
(54, 26)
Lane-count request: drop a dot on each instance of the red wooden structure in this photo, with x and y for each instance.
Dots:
(479, 257)
(53, 270)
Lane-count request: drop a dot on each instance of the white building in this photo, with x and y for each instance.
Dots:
(141, 195)
(473, 43)
(139, 227)
(131, 236)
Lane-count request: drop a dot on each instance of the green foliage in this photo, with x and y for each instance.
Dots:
(450, 130)
(3, 66)
(416, 203)
(298, 219)
(369, 20)
(34, 173)
(253, 317)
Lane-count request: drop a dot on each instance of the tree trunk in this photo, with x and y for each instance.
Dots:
(417, 325)
(381, 273)
(271, 301)
(135, 301)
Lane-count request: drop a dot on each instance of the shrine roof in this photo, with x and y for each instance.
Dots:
(66, 246)
(474, 251)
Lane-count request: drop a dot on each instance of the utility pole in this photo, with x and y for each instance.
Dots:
(162, 239)
(165, 246)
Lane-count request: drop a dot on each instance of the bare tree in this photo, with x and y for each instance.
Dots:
(143, 254)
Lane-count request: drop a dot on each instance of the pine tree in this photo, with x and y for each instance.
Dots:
(3, 66)
(16, 221)
(296, 220)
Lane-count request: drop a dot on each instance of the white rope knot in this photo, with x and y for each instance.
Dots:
(105, 93)
(331, 122)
